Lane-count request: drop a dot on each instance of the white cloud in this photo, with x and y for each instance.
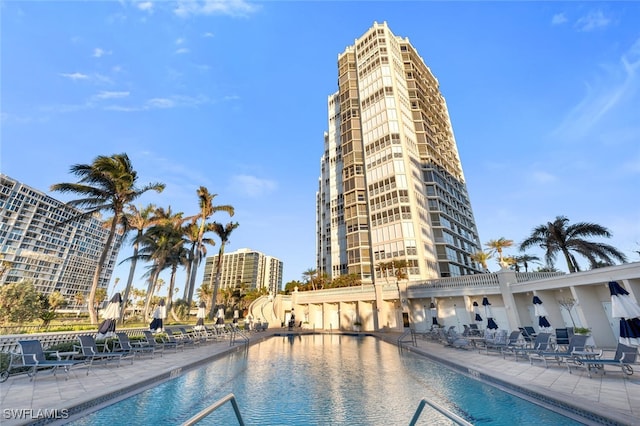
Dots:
(111, 95)
(208, 35)
(146, 6)
(558, 19)
(591, 21)
(160, 103)
(180, 41)
(182, 51)
(615, 89)
(75, 76)
(98, 52)
(187, 8)
(541, 177)
(252, 186)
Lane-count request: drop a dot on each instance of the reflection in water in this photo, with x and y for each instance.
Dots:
(324, 379)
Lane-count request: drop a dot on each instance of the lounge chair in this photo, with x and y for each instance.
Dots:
(576, 344)
(190, 337)
(542, 343)
(624, 357)
(453, 339)
(526, 335)
(124, 344)
(562, 336)
(474, 330)
(35, 357)
(172, 339)
(89, 350)
(504, 346)
(150, 340)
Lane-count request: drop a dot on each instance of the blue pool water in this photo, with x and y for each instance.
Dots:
(323, 380)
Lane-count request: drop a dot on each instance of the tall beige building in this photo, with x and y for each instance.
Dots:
(245, 267)
(391, 184)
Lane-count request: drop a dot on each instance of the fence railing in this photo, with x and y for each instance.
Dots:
(9, 342)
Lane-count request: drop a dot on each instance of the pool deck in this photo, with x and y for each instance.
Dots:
(611, 395)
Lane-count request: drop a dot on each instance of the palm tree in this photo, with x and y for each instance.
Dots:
(559, 236)
(223, 231)
(496, 246)
(162, 244)
(525, 259)
(108, 184)
(309, 277)
(207, 209)
(481, 257)
(191, 233)
(138, 220)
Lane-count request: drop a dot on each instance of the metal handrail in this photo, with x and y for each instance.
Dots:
(232, 339)
(213, 407)
(413, 340)
(445, 412)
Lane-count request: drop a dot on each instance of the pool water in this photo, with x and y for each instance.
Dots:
(324, 380)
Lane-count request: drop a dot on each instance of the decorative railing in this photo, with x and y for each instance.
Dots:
(478, 280)
(523, 277)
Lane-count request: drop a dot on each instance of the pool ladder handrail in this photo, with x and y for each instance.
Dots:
(413, 340)
(232, 338)
(445, 412)
(213, 407)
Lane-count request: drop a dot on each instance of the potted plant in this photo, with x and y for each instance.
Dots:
(581, 330)
(357, 325)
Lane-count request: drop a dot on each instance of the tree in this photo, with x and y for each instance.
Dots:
(138, 220)
(524, 260)
(223, 232)
(207, 209)
(5, 266)
(56, 300)
(19, 302)
(106, 185)
(163, 244)
(496, 246)
(309, 277)
(560, 237)
(197, 248)
(481, 257)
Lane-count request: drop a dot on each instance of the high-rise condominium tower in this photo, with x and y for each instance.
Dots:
(37, 245)
(391, 184)
(245, 268)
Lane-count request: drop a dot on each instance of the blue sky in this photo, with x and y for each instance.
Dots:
(543, 96)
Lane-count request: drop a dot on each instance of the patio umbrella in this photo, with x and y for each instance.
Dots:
(491, 324)
(624, 307)
(110, 315)
(158, 317)
(541, 313)
(476, 310)
(200, 315)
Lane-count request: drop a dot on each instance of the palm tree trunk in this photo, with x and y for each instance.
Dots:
(192, 279)
(172, 282)
(127, 289)
(93, 315)
(567, 257)
(185, 293)
(152, 285)
(216, 282)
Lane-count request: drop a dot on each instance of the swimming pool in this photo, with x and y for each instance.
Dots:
(323, 379)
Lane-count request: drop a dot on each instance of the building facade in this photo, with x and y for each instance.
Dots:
(37, 246)
(245, 268)
(391, 184)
